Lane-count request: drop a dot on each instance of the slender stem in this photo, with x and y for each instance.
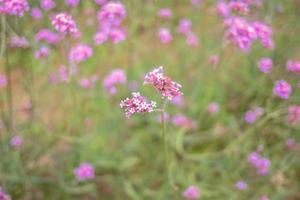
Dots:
(165, 139)
(9, 93)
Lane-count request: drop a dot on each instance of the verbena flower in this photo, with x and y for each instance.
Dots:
(80, 53)
(72, 3)
(165, 13)
(19, 42)
(3, 195)
(47, 4)
(265, 65)
(36, 13)
(43, 52)
(137, 104)
(223, 9)
(239, 6)
(192, 192)
(14, 7)
(192, 39)
(260, 163)
(282, 89)
(88, 83)
(64, 23)
(165, 35)
(47, 36)
(101, 2)
(115, 77)
(293, 66)
(294, 114)
(241, 185)
(184, 26)
(16, 142)
(112, 14)
(213, 107)
(3, 81)
(84, 172)
(165, 85)
(183, 121)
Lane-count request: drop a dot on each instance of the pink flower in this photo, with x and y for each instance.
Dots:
(16, 141)
(293, 66)
(184, 26)
(100, 2)
(3, 195)
(196, 2)
(183, 121)
(84, 172)
(47, 36)
(137, 104)
(100, 37)
(63, 74)
(80, 53)
(260, 163)
(282, 89)
(192, 40)
(165, 85)
(165, 13)
(264, 198)
(18, 42)
(265, 65)
(294, 114)
(223, 9)
(64, 23)
(291, 144)
(112, 13)
(36, 13)
(213, 107)
(241, 185)
(117, 35)
(250, 117)
(43, 52)
(178, 101)
(166, 117)
(3, 81)
(239, 6)
(213, 60)
(14, 7)
(88, 83)
(72, 3)
(115, 77)
(192, 192)
(165, 35)
(47, 4)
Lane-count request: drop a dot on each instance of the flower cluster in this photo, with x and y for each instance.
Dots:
(282, 89)
(19, 42)
(165, 13)
(47, 36)
(43, 52)
(110, 18)
(72, 3)
(252, 115)
(192, 192)
(294, 114)
(213, 107)
(265, 65)
(185, 28)
(3, 81)
(165, 85)
(3, 195)
(184, 122)
(47, 4)
(165, 35)
(241, 185)
(137, 104)
(64, 23)
(264, 33)
(88, 83)
(16, 142)
(84, 172)
(14, 7)
(115, 77)
(261, 164)
(293, 66)
(80, 53)
(36, 13)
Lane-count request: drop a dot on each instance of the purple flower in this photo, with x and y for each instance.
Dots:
(294, 114)
(264, 198)
(14, 7)
(192, 192)
(213, 107)
(293, 66)
(47, 36)
(3, 195)
(282, 89)
(265, 65)
(72, 3)
(16, 142)
(36, 13)
(260, 163)
(137, 104)
(165, 35)
(192, 39)
(165, 85)
(291, 144)
(117, 35)
(84, 172)
(165, 13)
(178, 101)
(184, 26)
(116, 76)
(3, 81)
(239, 6)
(80, 53)
(43, 52)
(100, 37)
(47, 4)
(184, 122)
(100, 2)
(241, 185)
(223, 9)
(88, 83)
(112, 14)
(18, 42)
(250, 117)
(64, 23)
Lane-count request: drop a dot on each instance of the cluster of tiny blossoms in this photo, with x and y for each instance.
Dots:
(110, 18)
(165, 85)
(80, 53)
(14, 7)
(265, 65)
(137, 104)
(282, 89)
(45, 35)
(115, 77)
(64, 23)
(84, 172)
(3, 195)
(261, 164)
(293, 66)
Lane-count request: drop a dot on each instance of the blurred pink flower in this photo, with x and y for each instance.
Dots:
(80, 53)
(14, 7)
(43, 52)
(223, 9)
(241, 185)
(282, 89)
(3, 195)
(47, 4)
(47, 36)
(183, 121)
(64, 23)
(165, 35)
(84, 172)
(184, 26)
(192, 192)
(213, 107)
(165, 13)
(192, 39)
(265, 65)
(116, 76)
(16, 141)
(19, 42)
(72, 3)
(3, 81)
(293, 66)
(178, 101)
(36, 13)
